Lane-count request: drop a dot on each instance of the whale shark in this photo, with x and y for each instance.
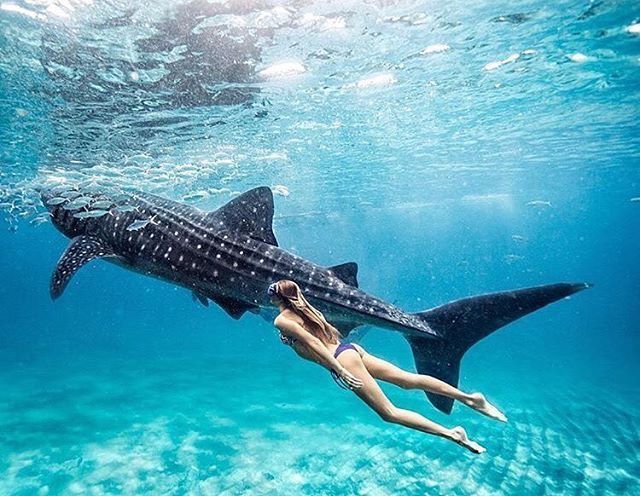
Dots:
(231, 255)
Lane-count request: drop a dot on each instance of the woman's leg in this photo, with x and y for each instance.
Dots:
(385, 371)
(373, 396)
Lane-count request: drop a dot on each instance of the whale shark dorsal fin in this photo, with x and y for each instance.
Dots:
(251, 213)
(80, 251)
(347, 273)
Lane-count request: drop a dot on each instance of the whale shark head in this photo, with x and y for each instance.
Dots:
(53, 202)
(74, 211)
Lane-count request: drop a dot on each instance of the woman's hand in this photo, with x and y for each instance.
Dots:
(349, 379)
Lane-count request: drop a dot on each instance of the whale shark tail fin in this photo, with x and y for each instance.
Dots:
(463, 323)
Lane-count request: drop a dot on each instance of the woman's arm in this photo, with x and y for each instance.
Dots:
(317, 347)
(294, 330)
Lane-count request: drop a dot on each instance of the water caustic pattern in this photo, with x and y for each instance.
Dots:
(185, 435)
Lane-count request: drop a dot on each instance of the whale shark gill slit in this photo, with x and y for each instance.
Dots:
(80, 251)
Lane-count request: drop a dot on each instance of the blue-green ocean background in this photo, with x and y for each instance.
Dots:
(440, 175)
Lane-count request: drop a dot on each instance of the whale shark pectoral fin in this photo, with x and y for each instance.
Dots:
(345, 327)
(235, 308)
(80, 251)
(251, 213)
(200, 297)
(347, 273)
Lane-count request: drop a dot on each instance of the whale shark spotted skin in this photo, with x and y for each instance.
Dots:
(231, 255)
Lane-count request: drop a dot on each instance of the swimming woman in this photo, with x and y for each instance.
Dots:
(305, 329)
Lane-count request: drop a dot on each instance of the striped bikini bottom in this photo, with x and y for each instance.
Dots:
(341, 347)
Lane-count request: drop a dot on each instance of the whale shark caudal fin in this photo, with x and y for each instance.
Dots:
(463, 323)
(80, 251)
(251, 213)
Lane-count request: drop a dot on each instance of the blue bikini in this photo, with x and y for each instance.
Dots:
(342, 347)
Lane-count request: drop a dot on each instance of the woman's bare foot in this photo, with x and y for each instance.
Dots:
(459, 436)
(478, 402)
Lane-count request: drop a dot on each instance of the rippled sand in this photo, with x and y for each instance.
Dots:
(189, 427)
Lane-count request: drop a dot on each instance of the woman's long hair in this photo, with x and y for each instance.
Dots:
(291, 294)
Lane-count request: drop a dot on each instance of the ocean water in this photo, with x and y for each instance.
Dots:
(449, 148)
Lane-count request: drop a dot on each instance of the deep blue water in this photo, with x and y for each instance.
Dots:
(450, 150)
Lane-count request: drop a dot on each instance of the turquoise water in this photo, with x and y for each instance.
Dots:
(449, 149)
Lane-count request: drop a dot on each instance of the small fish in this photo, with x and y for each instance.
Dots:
(518, 239)
(40, 219)
(88, 183)
(71, 194)
(126, 208)
(91, 214)
(635, 199)
(139, 157)
(539, 203)
(437, 48)
(138, 224)
(102, 204)
(57, 201)
(80, 202)
(281, 189)
(513, 258)
(578, 57)
(195, 195)
(120, 197)
(57, 190)
(215, 191)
